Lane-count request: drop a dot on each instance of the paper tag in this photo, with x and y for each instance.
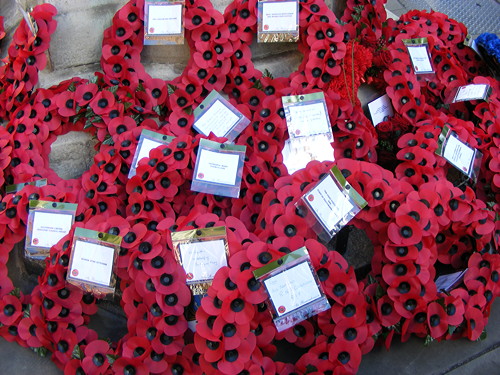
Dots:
(307, 120)
(49, 228)
(148, 141)
(201, 260)
(380, 109)
(459, 154)
(165, 19)
(448, 282)
(328, 203)
(217, 168)
(420, 59)
(218, 119)
(471, 92)
(92, 263)
(280, 16)
(298, 154)
(292, 288)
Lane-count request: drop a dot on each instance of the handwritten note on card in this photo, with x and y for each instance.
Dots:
(218, 119)
(292, 288)
(459, 154)
(380, 109)
(328, 202)
(308, 119)
(201, 260)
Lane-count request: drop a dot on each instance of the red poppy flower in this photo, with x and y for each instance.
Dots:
(339, 284)
(475, 323)
(174, 303)
(416, 324)
(95, 360)
(302, 334)
(349, 331)
(103, 102)
(130, 365)
(234, 360)
(85, 93)
(236, 310)
(405, 231)
(232, 334)
(354, 310)
(346, 354)
(64, 341)
(66, 104)
(437, 320)
(386, 312)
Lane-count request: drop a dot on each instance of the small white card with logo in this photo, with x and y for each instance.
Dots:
(165, 19)
(164, 22)
(292, 288)
(380, 109)
(420, 59)
(418, 49)
(47, 223)
(201, 260)
(49, 228)
(214, 167)
(459, 154)
(218, 168)
(472, 92)
(279, 16)
(307, 115)
(92, 263)
(328, 203)
(216, 115)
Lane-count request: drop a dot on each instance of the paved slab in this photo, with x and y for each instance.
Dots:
(447, 357)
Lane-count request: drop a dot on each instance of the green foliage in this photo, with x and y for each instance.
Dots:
(171, 88)
(78, 353)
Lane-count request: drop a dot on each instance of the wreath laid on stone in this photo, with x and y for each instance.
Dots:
(418, 218)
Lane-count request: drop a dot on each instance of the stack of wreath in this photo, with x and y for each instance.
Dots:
(418, 219)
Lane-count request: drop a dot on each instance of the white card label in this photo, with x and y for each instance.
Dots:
(471, 92)
(420, 59)
(165, 19)
(309, 119)
(292, 288)
(201, 260)
(146, 146)
(218, 119)
(328, 203)
(92, 262)
(296, 155)
(459, 154)
(279, 16)
(380, 109)
(217, 167)
(49, 228)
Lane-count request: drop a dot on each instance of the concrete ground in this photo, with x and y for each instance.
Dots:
(455, 358)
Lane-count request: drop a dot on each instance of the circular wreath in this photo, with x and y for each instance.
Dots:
(421, 219)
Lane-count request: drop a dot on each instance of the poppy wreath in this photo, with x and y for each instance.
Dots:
(417, 220)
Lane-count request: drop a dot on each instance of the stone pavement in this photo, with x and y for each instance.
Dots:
(456, 358)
